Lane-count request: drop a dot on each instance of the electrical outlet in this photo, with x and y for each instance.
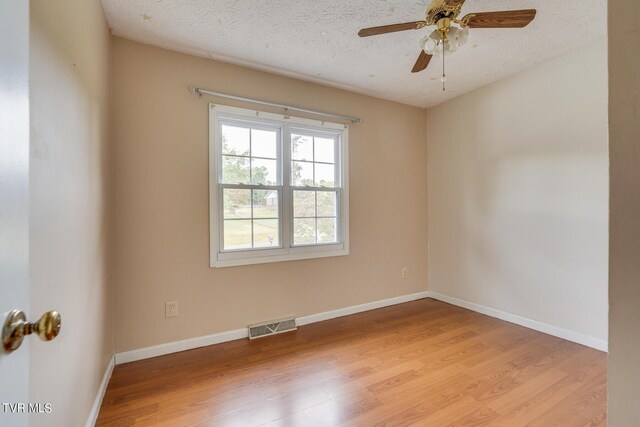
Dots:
(403, 273)
(170, 309)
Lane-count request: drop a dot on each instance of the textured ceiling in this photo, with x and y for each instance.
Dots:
(317, 40)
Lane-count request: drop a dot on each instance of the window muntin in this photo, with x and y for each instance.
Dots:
(251, 219)
(278, 188)
(315, 217)
(249, 154)
(313, 160)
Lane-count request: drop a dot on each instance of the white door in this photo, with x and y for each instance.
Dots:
(14, 196)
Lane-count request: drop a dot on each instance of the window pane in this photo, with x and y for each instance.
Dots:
(324, 150)
(302, 174)
(327, 203)
(327, 230)
(301, 147)
(235, 170)
(236, 203)
(264, 171)
(265, 233)
(325, 175)
(264, 143)
(304, 204)
(237, 234)
(304, 231)
(265, 204)
(235, 140)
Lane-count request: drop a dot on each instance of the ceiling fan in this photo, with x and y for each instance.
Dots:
(446, 37)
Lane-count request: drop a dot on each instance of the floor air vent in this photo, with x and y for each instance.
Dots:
(271, 328)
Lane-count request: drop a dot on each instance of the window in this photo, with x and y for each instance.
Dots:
(278, 187)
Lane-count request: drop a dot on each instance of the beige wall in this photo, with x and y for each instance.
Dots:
(518, 194)
(69, 78)
(161, 203)
(624, 231)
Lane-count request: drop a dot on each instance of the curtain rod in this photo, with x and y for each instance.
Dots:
(200, 92)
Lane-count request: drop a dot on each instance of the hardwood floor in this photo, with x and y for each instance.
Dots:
(423, 363)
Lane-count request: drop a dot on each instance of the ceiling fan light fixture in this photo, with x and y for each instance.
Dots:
(460, 36)
(430, 45)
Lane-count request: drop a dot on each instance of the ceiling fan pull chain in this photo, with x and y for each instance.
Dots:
(444, 76)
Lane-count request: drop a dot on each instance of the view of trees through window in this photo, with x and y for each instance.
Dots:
(314, 212)
(251, 217)
(252, 190)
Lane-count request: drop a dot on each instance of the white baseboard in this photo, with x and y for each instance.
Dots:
(319, 317)
(556, 331)
(176, 346)
(188, 344)
(95, 408)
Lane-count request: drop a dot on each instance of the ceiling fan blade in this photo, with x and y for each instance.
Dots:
(422, 62)
(372, 31)
(502, 19)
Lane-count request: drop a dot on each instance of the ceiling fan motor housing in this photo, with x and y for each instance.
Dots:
(439, 9)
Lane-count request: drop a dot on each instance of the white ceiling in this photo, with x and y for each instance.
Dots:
(317, 40)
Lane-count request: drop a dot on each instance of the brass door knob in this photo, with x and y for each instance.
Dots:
(16, 328)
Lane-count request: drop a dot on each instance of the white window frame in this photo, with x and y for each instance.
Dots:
(286, 251)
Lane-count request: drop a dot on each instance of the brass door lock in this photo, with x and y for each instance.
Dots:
(16, 328)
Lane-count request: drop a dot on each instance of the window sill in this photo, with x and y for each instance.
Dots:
(221, 263)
